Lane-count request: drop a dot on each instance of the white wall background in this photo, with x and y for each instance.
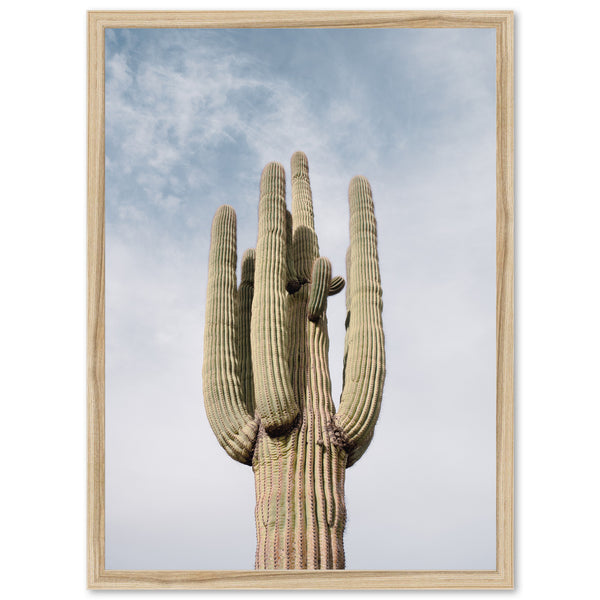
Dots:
(42, 316)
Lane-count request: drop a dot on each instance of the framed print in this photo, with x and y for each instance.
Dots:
(300, 300)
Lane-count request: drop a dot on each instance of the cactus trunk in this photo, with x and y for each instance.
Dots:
(266, 377)
(300, 509)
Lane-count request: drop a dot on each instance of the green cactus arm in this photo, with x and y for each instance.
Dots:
(319, 288)
(226, 409)
(306, 247)
(275, 402)
(337, 285)
(245, 295)
(364, 371)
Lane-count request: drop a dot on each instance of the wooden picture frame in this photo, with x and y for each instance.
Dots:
(502, 576)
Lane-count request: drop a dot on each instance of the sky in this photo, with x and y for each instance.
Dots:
(192, 117)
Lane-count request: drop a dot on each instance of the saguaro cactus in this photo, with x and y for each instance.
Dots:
(267, 388)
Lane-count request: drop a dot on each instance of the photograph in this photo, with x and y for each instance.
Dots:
(300, 299)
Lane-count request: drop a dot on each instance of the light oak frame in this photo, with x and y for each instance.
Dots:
(502, 577)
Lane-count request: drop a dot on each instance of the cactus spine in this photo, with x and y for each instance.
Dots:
(267, 388)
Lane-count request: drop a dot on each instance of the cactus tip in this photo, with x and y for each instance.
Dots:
(359, 181)
(225, 214)
(299, 164)
(273, 169)
(225, 210)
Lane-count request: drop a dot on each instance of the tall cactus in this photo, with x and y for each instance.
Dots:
(266, 381)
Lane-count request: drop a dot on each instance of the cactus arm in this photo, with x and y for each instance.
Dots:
(319, 289)
(337, 285)
(227, 413)
(275, 402)
(364, 374)
(245, 296)
(306, 247)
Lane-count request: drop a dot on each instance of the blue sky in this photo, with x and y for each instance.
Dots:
(192, 117)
